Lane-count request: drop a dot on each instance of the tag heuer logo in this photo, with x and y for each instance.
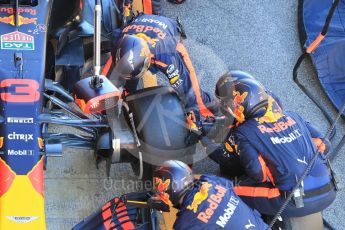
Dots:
(17, 41)
(22, 219)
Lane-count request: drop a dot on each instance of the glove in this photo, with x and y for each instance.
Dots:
(158, 204)
(321, 144)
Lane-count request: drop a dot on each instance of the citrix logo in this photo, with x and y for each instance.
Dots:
(19, 136)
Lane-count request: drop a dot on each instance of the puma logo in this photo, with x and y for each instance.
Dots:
(249, 225)
(303, 162)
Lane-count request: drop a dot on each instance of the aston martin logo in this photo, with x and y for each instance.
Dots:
(22, 219)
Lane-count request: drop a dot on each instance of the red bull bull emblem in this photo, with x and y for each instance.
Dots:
(149, 40)
(22, 20)
(162, 186)
(17, 41)
(199, 197)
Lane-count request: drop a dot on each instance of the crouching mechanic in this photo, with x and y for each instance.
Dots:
(274, 147)
(151, 42)
(225, 153)
(205, 203)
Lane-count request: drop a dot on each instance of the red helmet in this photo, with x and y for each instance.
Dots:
(171, 181)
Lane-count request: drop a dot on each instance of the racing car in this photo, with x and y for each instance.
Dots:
(45, 79)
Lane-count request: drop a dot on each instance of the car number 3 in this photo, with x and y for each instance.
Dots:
(19, 90)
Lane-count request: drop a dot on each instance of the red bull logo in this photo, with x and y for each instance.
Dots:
(199, 197)
(18, 191)
(278, 126)
(21, 20)
(10, 10)
(214, 200)
(143, 29)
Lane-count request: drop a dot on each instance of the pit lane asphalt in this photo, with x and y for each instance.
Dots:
(256, 36)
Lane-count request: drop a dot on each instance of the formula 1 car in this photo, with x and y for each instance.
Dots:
(45, 50)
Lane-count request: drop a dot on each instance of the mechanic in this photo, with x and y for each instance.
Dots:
(152, 42)
(205, 203)
(225, 153)
(274, 148)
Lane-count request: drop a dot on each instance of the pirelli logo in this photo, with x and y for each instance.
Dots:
(278, 126)
(20, 120)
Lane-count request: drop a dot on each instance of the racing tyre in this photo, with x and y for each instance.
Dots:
(157, 127)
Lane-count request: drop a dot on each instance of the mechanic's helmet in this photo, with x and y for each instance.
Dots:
(132, 57)
(171, 181)
(243, 75)
(239, 75)
(240, 95)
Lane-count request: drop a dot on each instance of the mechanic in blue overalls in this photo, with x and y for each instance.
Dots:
(224, 153)
(274, 147)
(152, 42)
(208, 202)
